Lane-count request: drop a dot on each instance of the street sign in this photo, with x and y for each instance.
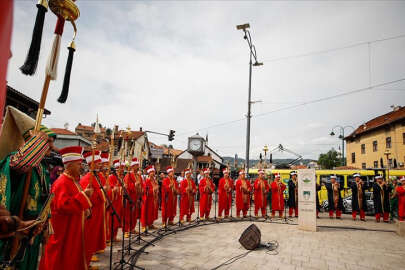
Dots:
(156, 152)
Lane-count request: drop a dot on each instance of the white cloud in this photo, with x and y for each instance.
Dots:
(183, 66)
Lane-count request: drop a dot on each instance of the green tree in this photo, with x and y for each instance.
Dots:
(330, 159)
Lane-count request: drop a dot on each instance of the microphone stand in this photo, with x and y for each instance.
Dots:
(146, 215)
(165, 217)
(139, 236)
(250, 203)
(113, 213)
(127, 198)
(215, 205)
(198, 208)
(286, 219)
(231, 194)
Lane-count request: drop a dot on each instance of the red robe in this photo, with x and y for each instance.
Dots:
(116, 198)
(130, 220)
(206, 196)
(169, 199)
(224, 196)
(260, 195)
(401, 201)
(149, 202)
(187, 198)
(242, 197)
(95, 227)
(277, 198)
(65, 249)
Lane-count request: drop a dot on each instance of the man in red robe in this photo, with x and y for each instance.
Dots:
(104, 171)
(225, 187)
(243, 190)
(65, 249)
(150, 200)
(261, 188)
(129, 211)
(170, 189)
(206, 188)
(95, 227)
(401, 199)
(116, 197)
(277, 197)
(138, 185)
(188, 191)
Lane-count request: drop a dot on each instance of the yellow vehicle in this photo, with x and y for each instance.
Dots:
(343, 176)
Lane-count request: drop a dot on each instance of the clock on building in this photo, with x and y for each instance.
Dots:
(196, 145)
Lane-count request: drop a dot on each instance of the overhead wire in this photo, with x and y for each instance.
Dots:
(333, 49)
(351, 92)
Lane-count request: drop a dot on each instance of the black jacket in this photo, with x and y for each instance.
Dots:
(355, 197)
(331, 203)
(381, 203)
(291, 194)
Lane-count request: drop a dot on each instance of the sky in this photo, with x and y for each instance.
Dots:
(182, 65)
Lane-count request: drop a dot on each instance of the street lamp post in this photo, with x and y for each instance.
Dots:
(252, 49)
(342, 137)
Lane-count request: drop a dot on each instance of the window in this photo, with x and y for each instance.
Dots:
(363, 165)
(375, 164)
(363, 148)
(403, 138)
(374, 146)
(390, 164)
(388, 142)
(353, 157)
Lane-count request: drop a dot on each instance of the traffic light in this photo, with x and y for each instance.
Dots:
(171, 135)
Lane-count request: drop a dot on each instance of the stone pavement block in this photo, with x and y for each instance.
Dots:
(320, 264)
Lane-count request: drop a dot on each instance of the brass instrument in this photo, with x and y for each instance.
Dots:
(245, 191)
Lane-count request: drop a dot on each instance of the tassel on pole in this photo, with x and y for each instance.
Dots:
(66, 80)
(30, 65)
(52, 65)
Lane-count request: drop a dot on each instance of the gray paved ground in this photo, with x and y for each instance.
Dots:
(334, 247)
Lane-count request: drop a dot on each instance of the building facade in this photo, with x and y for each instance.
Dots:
(378, 143)
(66, 138)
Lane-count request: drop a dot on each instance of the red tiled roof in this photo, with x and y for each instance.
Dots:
(62, 131)
(379, 122)
(133, 135)
(176, 152)
(88, 128)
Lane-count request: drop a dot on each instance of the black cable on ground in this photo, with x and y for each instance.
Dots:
(269, 246)
(272, 245)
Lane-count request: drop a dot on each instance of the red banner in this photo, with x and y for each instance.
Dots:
(6, 23)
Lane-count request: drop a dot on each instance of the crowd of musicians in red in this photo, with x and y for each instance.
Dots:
(81, 216)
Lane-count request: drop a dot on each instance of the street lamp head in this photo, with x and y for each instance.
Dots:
(256, 64)
(332, 133)
(242, 26)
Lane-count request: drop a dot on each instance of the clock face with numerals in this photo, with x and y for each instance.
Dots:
(195, 145)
